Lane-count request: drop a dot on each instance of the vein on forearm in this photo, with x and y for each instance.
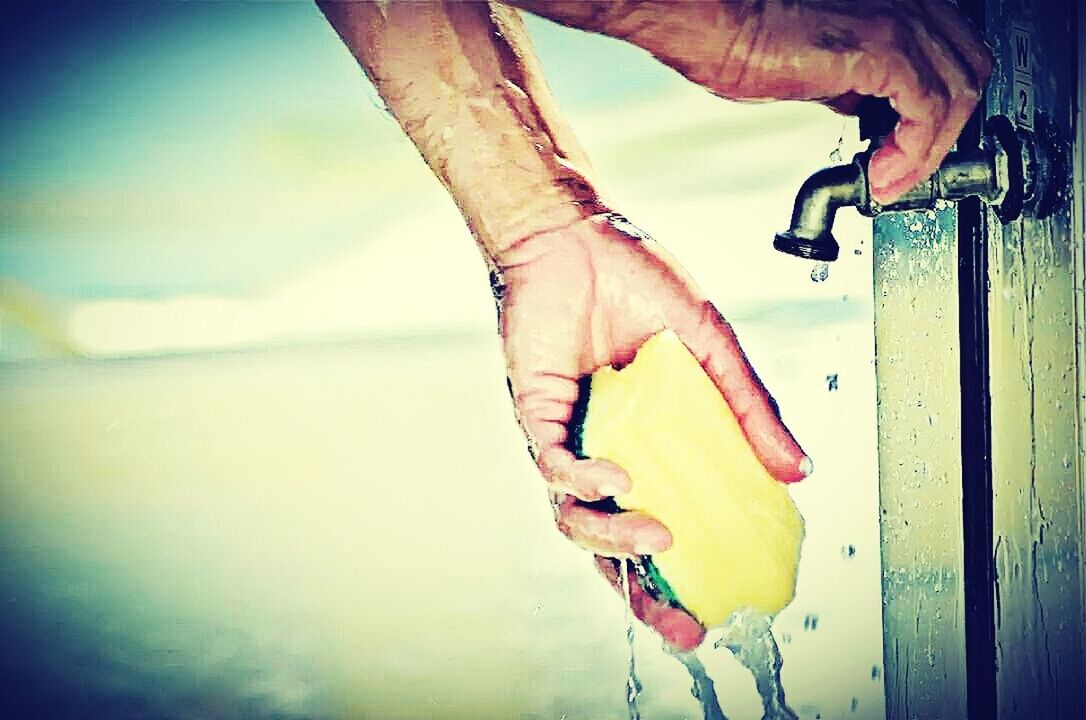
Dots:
(463, 82)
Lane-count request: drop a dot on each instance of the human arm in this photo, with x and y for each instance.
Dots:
(921, 54)
(578, 286)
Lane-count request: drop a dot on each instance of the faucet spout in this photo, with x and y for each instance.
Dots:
(810, 234)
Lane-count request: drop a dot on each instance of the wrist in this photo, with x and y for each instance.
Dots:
(511, 226)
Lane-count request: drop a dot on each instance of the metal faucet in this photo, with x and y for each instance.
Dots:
(1010, 171)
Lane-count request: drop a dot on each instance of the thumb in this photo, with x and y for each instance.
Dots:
(712, 341)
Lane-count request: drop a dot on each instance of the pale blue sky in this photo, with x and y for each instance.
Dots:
(155, 149)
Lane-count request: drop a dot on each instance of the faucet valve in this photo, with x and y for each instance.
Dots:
(1012, 171)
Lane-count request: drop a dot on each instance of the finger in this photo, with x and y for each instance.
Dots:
(678, 629)
(619, 534)
(961, 37)
(959, 81)
(959, 48)
(544, 403)
(588, 480)
(845, 104)
(934, 92)
(922, 102)
(544, 377)
(713, 342)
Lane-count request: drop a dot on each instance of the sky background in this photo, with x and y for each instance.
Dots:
(209, 175)
(153, 148)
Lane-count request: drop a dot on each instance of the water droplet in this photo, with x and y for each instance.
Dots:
(820, 272)
(876, 672)
(848, 551)
(831, 382)
(810, 622)
(835, 155)
(855, 704)
(537, 609)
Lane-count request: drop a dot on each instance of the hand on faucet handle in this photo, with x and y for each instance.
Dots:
(922, 56)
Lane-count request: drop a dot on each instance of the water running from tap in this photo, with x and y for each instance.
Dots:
(835, 155)
(749, 636)
(703, 689)
(633, 684)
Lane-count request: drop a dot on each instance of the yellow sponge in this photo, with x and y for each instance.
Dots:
(736, 532)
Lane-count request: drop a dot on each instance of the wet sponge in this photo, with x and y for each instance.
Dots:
(736, 532)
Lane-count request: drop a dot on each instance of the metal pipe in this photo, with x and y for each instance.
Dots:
(811, 232)
(996, 172)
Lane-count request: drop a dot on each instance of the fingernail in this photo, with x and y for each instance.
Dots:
(806, 466)
(609, 490)
(651, 546)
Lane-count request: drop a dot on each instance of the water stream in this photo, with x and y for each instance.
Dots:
(749, 636)
(633, 684)
(703, 689)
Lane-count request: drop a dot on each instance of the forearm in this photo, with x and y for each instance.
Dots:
(695, 38)
(723, 44)
(462, 81)
(922, 55)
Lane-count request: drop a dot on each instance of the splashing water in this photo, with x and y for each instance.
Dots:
(750, 638)
(836, 156)
(703, 689)
(820, 272)
(633, 684)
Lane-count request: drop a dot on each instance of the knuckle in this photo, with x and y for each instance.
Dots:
(970, 96)
(588, 494)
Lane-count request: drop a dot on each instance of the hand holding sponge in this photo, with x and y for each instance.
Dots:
(736, 532)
